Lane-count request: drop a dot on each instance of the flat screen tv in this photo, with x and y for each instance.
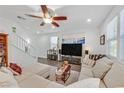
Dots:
(72, 49)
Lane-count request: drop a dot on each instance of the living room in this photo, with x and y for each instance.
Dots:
(29, 43)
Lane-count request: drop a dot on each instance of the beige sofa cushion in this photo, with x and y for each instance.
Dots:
(82, 76)
(32, 70)
(25, 74)
(86, 83)
(34, 81)
(102, 67)
(36, 67)
(86, 71)
(7, 81)
(115, 77)
(53, 84)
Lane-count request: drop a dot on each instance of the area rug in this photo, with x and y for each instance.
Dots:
(73, 77)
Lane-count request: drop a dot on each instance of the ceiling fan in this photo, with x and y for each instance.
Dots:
(47, 17)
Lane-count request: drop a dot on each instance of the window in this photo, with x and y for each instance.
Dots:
(54, 42)
(121, 45)
(112, 29)
(115, 37)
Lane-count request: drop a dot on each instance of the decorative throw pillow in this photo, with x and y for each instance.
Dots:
(15, 68)
(101, 68)
(91, 62)
(14, 72)
(88, 61)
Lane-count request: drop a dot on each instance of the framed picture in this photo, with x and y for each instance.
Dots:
(102, 40)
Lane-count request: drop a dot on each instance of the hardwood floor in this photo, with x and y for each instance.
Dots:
(58, 64)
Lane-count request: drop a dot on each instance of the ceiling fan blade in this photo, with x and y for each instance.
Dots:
(59, 18)
(55, 24)
(45, 11)
(33, 16)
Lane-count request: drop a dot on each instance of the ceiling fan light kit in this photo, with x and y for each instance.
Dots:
(48, 18)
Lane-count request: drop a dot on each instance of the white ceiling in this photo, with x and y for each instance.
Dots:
(77, 16)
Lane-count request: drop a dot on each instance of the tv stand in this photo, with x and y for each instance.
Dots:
(72, 59)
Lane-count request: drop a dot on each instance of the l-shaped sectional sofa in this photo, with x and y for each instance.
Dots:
(105, 73)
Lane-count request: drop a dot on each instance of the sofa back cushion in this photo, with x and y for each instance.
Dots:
(7, 81)
(87, 61)
(6, 70)
(102, 67)
(115, 77)
(96, 56)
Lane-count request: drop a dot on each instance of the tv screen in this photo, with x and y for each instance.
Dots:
(72, 49)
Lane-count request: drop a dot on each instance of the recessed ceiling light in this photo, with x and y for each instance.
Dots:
(38, 32)
(89, 20)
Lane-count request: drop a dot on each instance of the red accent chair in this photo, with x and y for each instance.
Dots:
(65, 75)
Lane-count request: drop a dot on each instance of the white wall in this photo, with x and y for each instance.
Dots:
(92, 39)
(115, 11)
(43, 45)
(14, 54)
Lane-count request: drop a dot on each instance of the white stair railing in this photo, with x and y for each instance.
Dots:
(22, 45)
